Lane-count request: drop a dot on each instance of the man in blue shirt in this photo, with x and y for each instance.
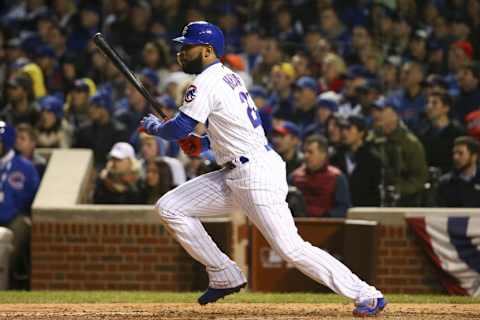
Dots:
(18, 185)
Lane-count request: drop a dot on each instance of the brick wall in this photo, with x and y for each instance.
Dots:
(113, 256)
(403, 266)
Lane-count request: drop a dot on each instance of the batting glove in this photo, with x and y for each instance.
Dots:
(151, 124)
(193, 144)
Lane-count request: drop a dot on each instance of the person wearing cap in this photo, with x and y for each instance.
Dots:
(304, 104)
(368, 93)
(21, 106)
(54, 131)
(358, 162)
(435, 83)
(402, 154)
(469, 98)
(18, 185)
(101, 132)
(281, 98)
(439, 135)
(287, 141)
(324, 187)
(327, 105)
(119, 181)
(417, 48)
(47, 61)
(76, 106)
(355, 77)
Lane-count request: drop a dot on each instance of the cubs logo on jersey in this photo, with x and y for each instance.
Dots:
(191, 93)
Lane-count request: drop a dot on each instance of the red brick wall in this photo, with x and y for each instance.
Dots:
(403, 266)
(89, 256)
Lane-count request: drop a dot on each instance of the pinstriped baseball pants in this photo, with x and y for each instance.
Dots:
(259, 187)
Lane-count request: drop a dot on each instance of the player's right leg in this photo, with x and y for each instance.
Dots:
(180, 209)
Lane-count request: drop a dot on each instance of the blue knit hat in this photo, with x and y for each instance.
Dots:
(52, 104)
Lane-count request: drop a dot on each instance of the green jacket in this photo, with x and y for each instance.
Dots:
(403, 158)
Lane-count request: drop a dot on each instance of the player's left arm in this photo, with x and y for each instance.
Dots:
(173, 129)
(179, 128)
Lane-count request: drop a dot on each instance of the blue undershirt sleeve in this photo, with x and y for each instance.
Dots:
(178, 127)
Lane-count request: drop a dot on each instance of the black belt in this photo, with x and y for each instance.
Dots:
(231, 165)
(242, 159)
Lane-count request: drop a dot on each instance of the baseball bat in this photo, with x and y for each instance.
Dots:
(118, 62)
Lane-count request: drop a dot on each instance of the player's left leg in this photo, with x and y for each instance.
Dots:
(180, 210)
(260, 186)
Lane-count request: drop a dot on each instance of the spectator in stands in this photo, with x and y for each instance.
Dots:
(25, 145)
(411, 99)
(76, 106)
(132, 109)
(286, 141)
(333, 70)
(461, 187)
(301, 65)
(119, 181)
(402, 155)
(53, 130)
(439, 135)
(18, 186)
(333, 29)
(158, 181)
(334, 133)
(271, 55)
(367, 94)
(153, 148)
(48, 63)
(359, 163)
(156, 57)
(355, 77)
(327, 105)
(101, 131)
(281, 98)
(324, 187)
(469, 82)
(305, 94)
(21, 105)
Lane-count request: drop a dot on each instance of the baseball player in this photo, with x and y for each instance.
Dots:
(252, 177)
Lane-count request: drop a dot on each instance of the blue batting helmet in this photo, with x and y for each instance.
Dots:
(7, 136)
(202, 32)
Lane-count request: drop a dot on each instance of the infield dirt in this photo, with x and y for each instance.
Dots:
(228, 311)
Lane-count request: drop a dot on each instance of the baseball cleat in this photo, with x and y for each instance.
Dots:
(370, 307)
(213, 294)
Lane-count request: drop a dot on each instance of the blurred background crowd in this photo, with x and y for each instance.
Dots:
(369, 102)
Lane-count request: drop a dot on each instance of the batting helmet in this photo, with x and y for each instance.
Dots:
(202, 32)
(7, 136)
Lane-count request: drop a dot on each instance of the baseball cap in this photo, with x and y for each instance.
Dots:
(382, 103)
(465, 46)
(122, 150)
(287, 128)
(307, 83)
(370, 85)
(150, 75)
(52, 104)
(80, 85)
(357, 71)
(102, 99)
(354, 120)
(328, 100)
(286, 68)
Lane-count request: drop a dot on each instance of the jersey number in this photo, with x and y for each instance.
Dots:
(252, 112)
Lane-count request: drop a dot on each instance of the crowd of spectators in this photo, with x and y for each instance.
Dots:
(369, 102)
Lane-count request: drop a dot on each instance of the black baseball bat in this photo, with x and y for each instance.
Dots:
(118, 62)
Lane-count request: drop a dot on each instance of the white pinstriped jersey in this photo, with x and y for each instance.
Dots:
(219, 99)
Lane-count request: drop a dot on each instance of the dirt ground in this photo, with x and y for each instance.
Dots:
(225, 311)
